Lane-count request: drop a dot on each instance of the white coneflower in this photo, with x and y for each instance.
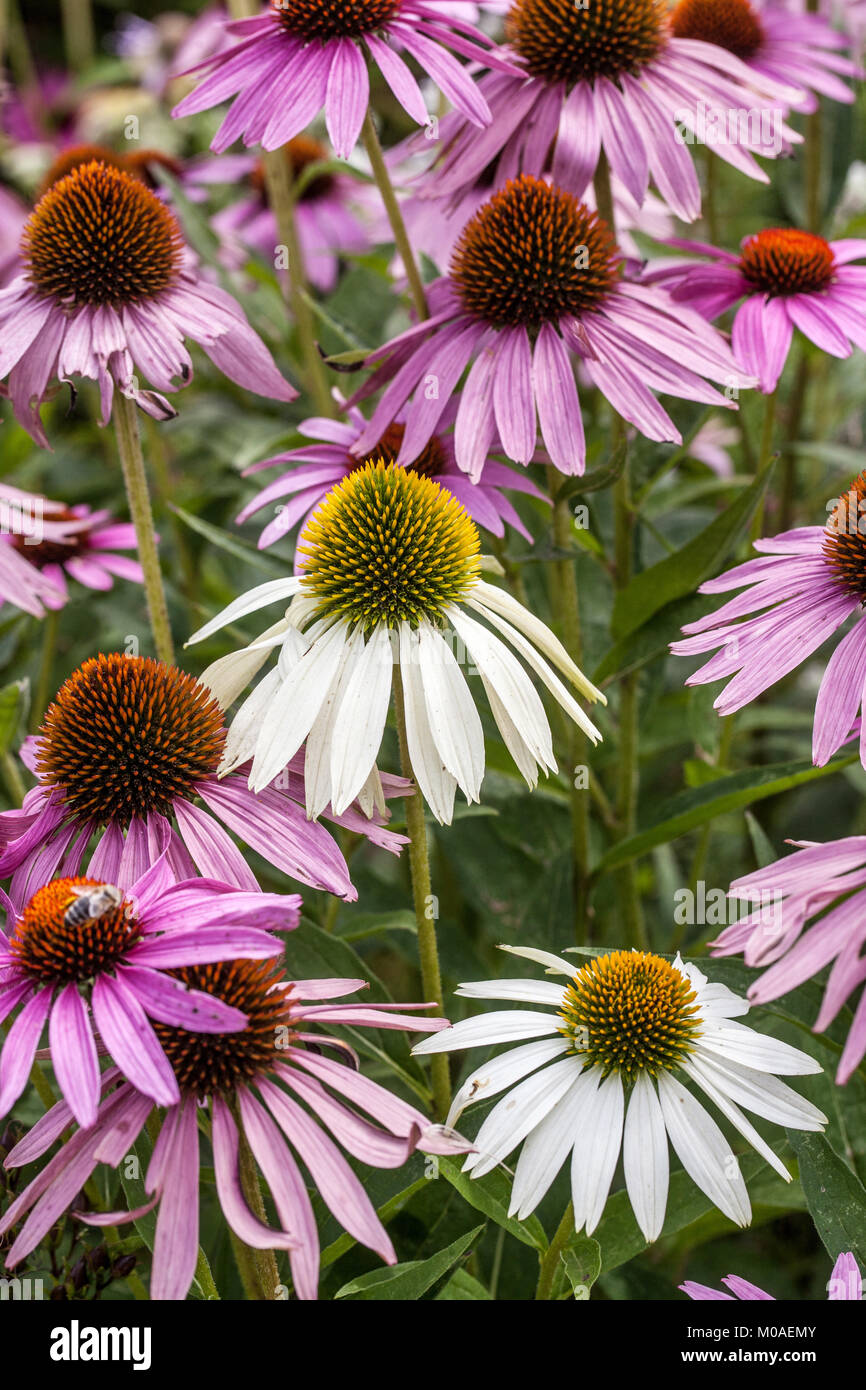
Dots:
(390, 570)
(598, 1077)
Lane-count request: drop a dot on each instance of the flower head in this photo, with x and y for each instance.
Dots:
(613, 76)
(844, 1283)
(129, 750)
(67, 543)
(600, 1076)
(808, 913)
(782, 279)
(391, 566)
(84, 957)
(535, 282)
(303, 55)
(320, 465)
(803, 587)
(290, 1100)
(105, 286)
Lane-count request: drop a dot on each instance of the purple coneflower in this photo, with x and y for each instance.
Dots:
(303, 55)
(611, 76)
(290, 1100)
(319, 466)
(128, 750)
(71, 543)
(786, 279)
(810, 912)
(535, 278)
(845, 1283)
(106, 287)
(85, 958)
(327, 226)
(797, 50)
(805, 584)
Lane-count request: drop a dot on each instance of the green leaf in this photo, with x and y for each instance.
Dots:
(693, 808)
(491, 1195)
(651, 640)
(596, 478)
(765, 853)
(581, 1260)
(835, 1196)
(385, 1213)
(463, 1287)
(408, 1282)
(681, 573)
(353, 358)
(14, 700)
(223, 541)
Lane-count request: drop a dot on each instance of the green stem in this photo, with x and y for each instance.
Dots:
(603, 194)
(205, 1277)
(568, 612)
(44, 684)
(419, 867)
(770, 402)
(79, 39)
(788, 482)
(257, 1268)
(550, 1258)
(12, 777)
(135, 478)
(278, 178)
(395, 216)
(699, 861)
(710, 200)
(20, 58)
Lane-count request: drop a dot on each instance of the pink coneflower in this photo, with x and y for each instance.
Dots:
(800, 591)
(611, 75)
(107, 287)
(290, 1099)
(72, 543)
(711, 445)
(22, 524)
(128, 750)
(327, 225)
(812, 912)
(84, 958)
(845, 1283)
(303, 55)
(536, 278)
(786, 279)
(796, 50)
(320, 466)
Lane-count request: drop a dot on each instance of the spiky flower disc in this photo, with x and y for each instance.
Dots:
(388, 546)
(531, 254)
(206, 1063)
(845, 540)
(128, 735)
(52, 946)
(631, 1012)
(563, 41)
(785, 260)
(100, 236)
(334, 19)
(732, 24)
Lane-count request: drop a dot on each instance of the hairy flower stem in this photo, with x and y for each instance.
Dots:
(79, 39)
(44, 685)
(628, 784)
(550, 1258)
(132, 461)
(567, 607)
(764, 457)
(395, 216)
(419, 867)
(257, 1268)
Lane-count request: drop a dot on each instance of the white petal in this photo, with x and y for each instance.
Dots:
(717, 1001)
(546, 1149)
(250, 602)
(738, 1043)
(435, 781)
(229, 675)
(522, 755)
(486, 1029)
(515, 692)
(699, 1075)
(762, 1093)
(703, 1150)
(360, 721)
(491, 1078)
(596, 1151)
(371, 797)
(243, 734)
(518, 1113)
(524, 991)
(543, 670)
(501, 602)
(317, 754)
(293, 711)
(453, 718)
(645, 1158)
(555, 964)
